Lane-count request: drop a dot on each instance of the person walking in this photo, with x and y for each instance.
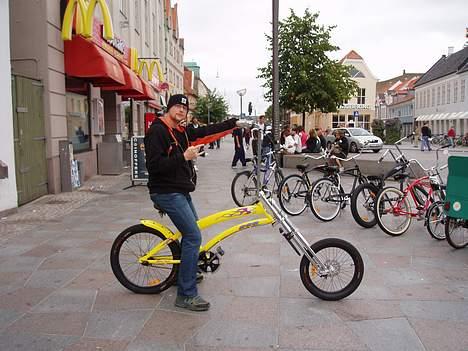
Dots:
(239, 152)
(425, 135)
(172, 178)
(247, 136)
(451, 136)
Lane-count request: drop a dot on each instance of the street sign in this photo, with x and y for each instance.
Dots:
(139, 172)
(356, 114)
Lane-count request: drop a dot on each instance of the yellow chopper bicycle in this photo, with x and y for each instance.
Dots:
(145, 258)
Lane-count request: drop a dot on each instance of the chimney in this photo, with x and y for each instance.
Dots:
(450, 50)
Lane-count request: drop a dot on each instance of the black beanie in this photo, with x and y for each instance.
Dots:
(177, 99)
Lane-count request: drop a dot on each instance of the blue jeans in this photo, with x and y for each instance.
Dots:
(425, 143)
(179, 208)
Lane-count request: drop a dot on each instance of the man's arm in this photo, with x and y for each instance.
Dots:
(156, 148)
(201, 132)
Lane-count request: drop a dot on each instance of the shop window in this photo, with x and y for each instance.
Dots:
(78, 122)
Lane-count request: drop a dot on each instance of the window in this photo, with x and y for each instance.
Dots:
(147, 23)
(455, 92)
(137, 16)
(335, 121)
(78, 121)
(123, 7)
(449, 88)
(361, 99)
(443, 95)
(155, 37)
(438, 96)
(355, 73)
(462, 91)
(433, 98)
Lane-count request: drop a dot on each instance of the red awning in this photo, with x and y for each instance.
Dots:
(154, 104)
(133, 85)
(148, 93)
(84, 59)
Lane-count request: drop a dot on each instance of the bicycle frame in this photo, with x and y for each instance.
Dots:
(422, 182)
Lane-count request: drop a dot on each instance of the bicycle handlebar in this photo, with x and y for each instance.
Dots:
(345, 159)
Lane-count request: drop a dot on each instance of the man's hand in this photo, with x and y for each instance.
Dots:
(192, 152)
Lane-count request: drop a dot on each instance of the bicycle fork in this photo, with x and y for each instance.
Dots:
(293, 235)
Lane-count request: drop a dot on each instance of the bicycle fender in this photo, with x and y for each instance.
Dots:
(158, 226)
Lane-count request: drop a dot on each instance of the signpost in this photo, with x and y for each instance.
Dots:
(139, 172)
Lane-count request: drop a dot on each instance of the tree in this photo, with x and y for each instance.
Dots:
(309, 79)
(212, 104)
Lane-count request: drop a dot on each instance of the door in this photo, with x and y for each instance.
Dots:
(29, 133)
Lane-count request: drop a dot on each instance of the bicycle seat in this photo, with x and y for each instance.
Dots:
(302, 167)
(159, 209)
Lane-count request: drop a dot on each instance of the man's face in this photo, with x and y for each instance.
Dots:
(261, 120)
(178, 113)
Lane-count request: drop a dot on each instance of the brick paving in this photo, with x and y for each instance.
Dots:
(57, 291)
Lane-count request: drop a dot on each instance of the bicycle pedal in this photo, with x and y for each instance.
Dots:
(220, 251)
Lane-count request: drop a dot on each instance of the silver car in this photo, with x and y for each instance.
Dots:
(358, 139)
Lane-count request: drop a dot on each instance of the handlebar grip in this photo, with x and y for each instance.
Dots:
(445, 146)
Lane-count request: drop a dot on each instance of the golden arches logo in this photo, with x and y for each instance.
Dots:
(85, 19)
(139, 66)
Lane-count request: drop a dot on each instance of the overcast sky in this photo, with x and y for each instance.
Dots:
(227, 37)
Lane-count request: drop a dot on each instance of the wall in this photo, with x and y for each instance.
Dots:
(8, 197)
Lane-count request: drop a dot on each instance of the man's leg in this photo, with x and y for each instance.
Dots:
(236, 157)
(180, 210)
(242, 156)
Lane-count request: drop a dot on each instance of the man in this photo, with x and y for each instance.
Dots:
(169, 160)
(425, 135)
(451, 135)
(239, 152)
(340, 148)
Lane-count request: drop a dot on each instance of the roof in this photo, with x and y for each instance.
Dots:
(454, 63)
(352, 55)
(402, 100)
(404, 82)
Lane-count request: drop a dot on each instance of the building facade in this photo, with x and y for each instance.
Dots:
(97, 81)
(441, 94)
(359, 111)
(8, 195)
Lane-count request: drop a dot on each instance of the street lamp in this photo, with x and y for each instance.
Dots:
(241, 93)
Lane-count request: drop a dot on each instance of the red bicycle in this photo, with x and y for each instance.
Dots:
(395, 209)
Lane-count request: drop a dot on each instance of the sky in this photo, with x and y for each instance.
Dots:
(227, 37)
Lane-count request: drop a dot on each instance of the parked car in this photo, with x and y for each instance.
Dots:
(358, 139)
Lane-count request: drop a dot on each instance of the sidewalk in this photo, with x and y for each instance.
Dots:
(57, 291)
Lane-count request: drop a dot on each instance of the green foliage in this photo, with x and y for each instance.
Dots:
(215, 103)
(309, 79)
(378, 128)
(392, 130)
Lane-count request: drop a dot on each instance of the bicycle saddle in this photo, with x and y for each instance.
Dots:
(401, 176)
(302, 167)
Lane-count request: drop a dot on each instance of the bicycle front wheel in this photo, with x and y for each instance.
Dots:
(325, 199)
(392, 210)
(244, 188)
(292, 195)
(362, 204)
(456, 232)
(344, 270)
(435, 220)
(141, 278)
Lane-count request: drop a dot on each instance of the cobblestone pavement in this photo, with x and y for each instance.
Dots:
(57, 291)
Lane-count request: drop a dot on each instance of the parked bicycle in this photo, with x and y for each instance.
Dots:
(244, 184)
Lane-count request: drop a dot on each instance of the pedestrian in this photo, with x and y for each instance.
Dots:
(425, 135)
(417, 132)
(239, 153)
(340, 147)
(297, 140)
(451, 136)
(247, 136)
(289, 143)
(171, 180)
(323, 141)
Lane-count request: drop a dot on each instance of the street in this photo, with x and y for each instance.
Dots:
(58, 291)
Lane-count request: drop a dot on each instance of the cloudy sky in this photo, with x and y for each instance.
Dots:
(227, 37)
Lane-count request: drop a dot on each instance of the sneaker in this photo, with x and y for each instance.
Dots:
(195, 303)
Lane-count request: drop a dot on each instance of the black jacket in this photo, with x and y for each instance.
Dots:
(168, 170)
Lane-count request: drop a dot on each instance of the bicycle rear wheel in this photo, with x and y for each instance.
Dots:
(325, 199)
(292, 195)
(391, 208)
(345, 270)
(362, 204)
(133, 243)
(456, 232)
(244, 188)
(435, 220)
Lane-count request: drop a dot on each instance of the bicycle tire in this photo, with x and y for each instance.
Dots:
(369, 220)
(456, 241)
(306, 270)
(293, 187)
(315, 194)
(155, 285)
(248, 192)
(435, 215)
(380, 210)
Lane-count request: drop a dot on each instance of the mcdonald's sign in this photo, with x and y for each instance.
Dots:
(139, 66)
(83, 12)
